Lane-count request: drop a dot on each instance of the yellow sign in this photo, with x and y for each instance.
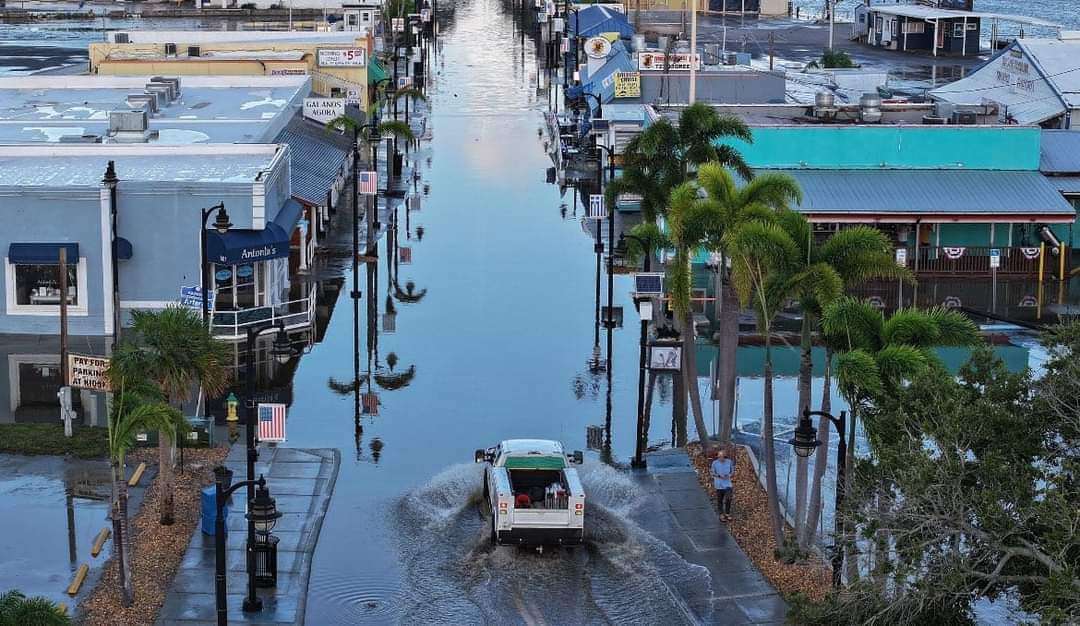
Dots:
(627, 84)
(88, 372)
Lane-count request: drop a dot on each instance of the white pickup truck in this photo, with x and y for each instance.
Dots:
(534, 493)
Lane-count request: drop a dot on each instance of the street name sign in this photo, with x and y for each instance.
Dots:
(995, 258)
(191, 297)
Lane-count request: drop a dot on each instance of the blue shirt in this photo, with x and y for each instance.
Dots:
(721, 471)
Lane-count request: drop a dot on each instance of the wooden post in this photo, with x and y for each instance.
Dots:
(1042, 261)
(63, 318)
(1061, 261)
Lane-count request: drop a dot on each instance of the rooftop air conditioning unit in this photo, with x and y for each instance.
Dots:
(121, 38)
(162, 93)
(193, 51)
(967, 118)
(730, 58)
(127, 122)
(171, 80)
(933, 120)
(144, 101)
(168, 88)
(170, 49)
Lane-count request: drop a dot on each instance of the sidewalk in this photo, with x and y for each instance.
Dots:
(301, 481)
(680, 514)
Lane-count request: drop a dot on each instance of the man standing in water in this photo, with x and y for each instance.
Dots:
(722, 470)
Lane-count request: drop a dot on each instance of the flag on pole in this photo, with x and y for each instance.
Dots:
(368, 183)
(271, 422)
(370, 403)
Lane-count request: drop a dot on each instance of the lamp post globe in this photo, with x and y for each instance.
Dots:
(221, 222)
(805, 440)
(282, 349)
(263, 511)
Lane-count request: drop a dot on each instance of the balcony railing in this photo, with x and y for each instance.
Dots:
(294, 314)
(975, 260)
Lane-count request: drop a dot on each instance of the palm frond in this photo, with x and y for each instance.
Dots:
(397, 129)
(857, 375)
(897, 363)
(778, 191)
(849, 324)
(909, 327)
(816, 286)
(732, 158)
(409, 92)
(717, 182)
(862, 253)
(954, 328)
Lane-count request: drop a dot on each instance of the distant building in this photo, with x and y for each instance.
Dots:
(337, 62)
(1032, 81)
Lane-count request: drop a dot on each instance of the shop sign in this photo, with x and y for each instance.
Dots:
(352, 95)
(342, 57)
(665, 357)
(654, 61)
(398, 24)
(627, 84)
(289, 71)
(191, 297)
(323, 110)
(88, 372)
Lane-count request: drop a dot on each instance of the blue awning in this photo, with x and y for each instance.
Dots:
(123, 249)
(245, 246)
(289, 215)
(41, 253)
(598, 19)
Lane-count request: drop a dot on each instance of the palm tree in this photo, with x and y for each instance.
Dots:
(665, 155)
(18, 610)
(759, 199)
(137, 407)
(763, 273)
(175, 351)
(878, 354)
(822, 272)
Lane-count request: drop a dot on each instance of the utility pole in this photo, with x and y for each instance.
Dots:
(693, 51)
(832, 23)
(770, 51)
(65, 390)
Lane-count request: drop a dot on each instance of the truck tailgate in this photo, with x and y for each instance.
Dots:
(541, 517)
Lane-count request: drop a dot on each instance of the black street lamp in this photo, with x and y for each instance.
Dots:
(262, 510)
(222, 226)
(282, 351)
(222, 490)
(599, 104)
(639, 444)
(805, 441)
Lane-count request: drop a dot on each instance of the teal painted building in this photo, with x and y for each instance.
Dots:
(946, 195)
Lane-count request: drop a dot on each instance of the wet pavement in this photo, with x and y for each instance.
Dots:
(302, 483)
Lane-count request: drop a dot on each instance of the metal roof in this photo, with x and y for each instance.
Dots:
(317, 155)
(1060, 152)
(598, 19)
(1065, 184)
(921, 12)
(928, 192)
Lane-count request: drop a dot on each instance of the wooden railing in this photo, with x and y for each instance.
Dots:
(975, 260)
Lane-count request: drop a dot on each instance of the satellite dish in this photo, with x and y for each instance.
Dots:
(597, 47)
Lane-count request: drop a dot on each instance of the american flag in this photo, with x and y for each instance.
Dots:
(368, 183)
(404, 255)
(272, 422)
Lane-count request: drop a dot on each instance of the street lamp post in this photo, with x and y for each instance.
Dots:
(805, 441)
(599, 109)
(639, 444)
(221, 225)
(609, 323)
(263, 517)
(282, 351)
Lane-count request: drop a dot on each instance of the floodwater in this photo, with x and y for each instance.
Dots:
(54, 509)
(499, 342)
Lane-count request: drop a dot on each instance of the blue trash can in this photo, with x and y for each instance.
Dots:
(209, 511)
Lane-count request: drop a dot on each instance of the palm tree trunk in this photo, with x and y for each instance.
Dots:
(768, 449)
(165, 478)
(821, 461)
(729, 347)
(805, 373)
(127, 585)
(690, 380)
(851, 565)
(118, 519)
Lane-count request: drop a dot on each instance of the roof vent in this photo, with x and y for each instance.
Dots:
(170, 49)
(824, 105)
(870, 108)
(193, 51)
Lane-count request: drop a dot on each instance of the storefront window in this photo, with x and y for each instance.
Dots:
(36, 392)
(238, 286)
(40, 284)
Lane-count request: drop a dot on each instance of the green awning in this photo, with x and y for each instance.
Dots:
(535, 463)
(375, 71)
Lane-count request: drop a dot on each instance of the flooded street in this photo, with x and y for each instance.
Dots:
(499, 343)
